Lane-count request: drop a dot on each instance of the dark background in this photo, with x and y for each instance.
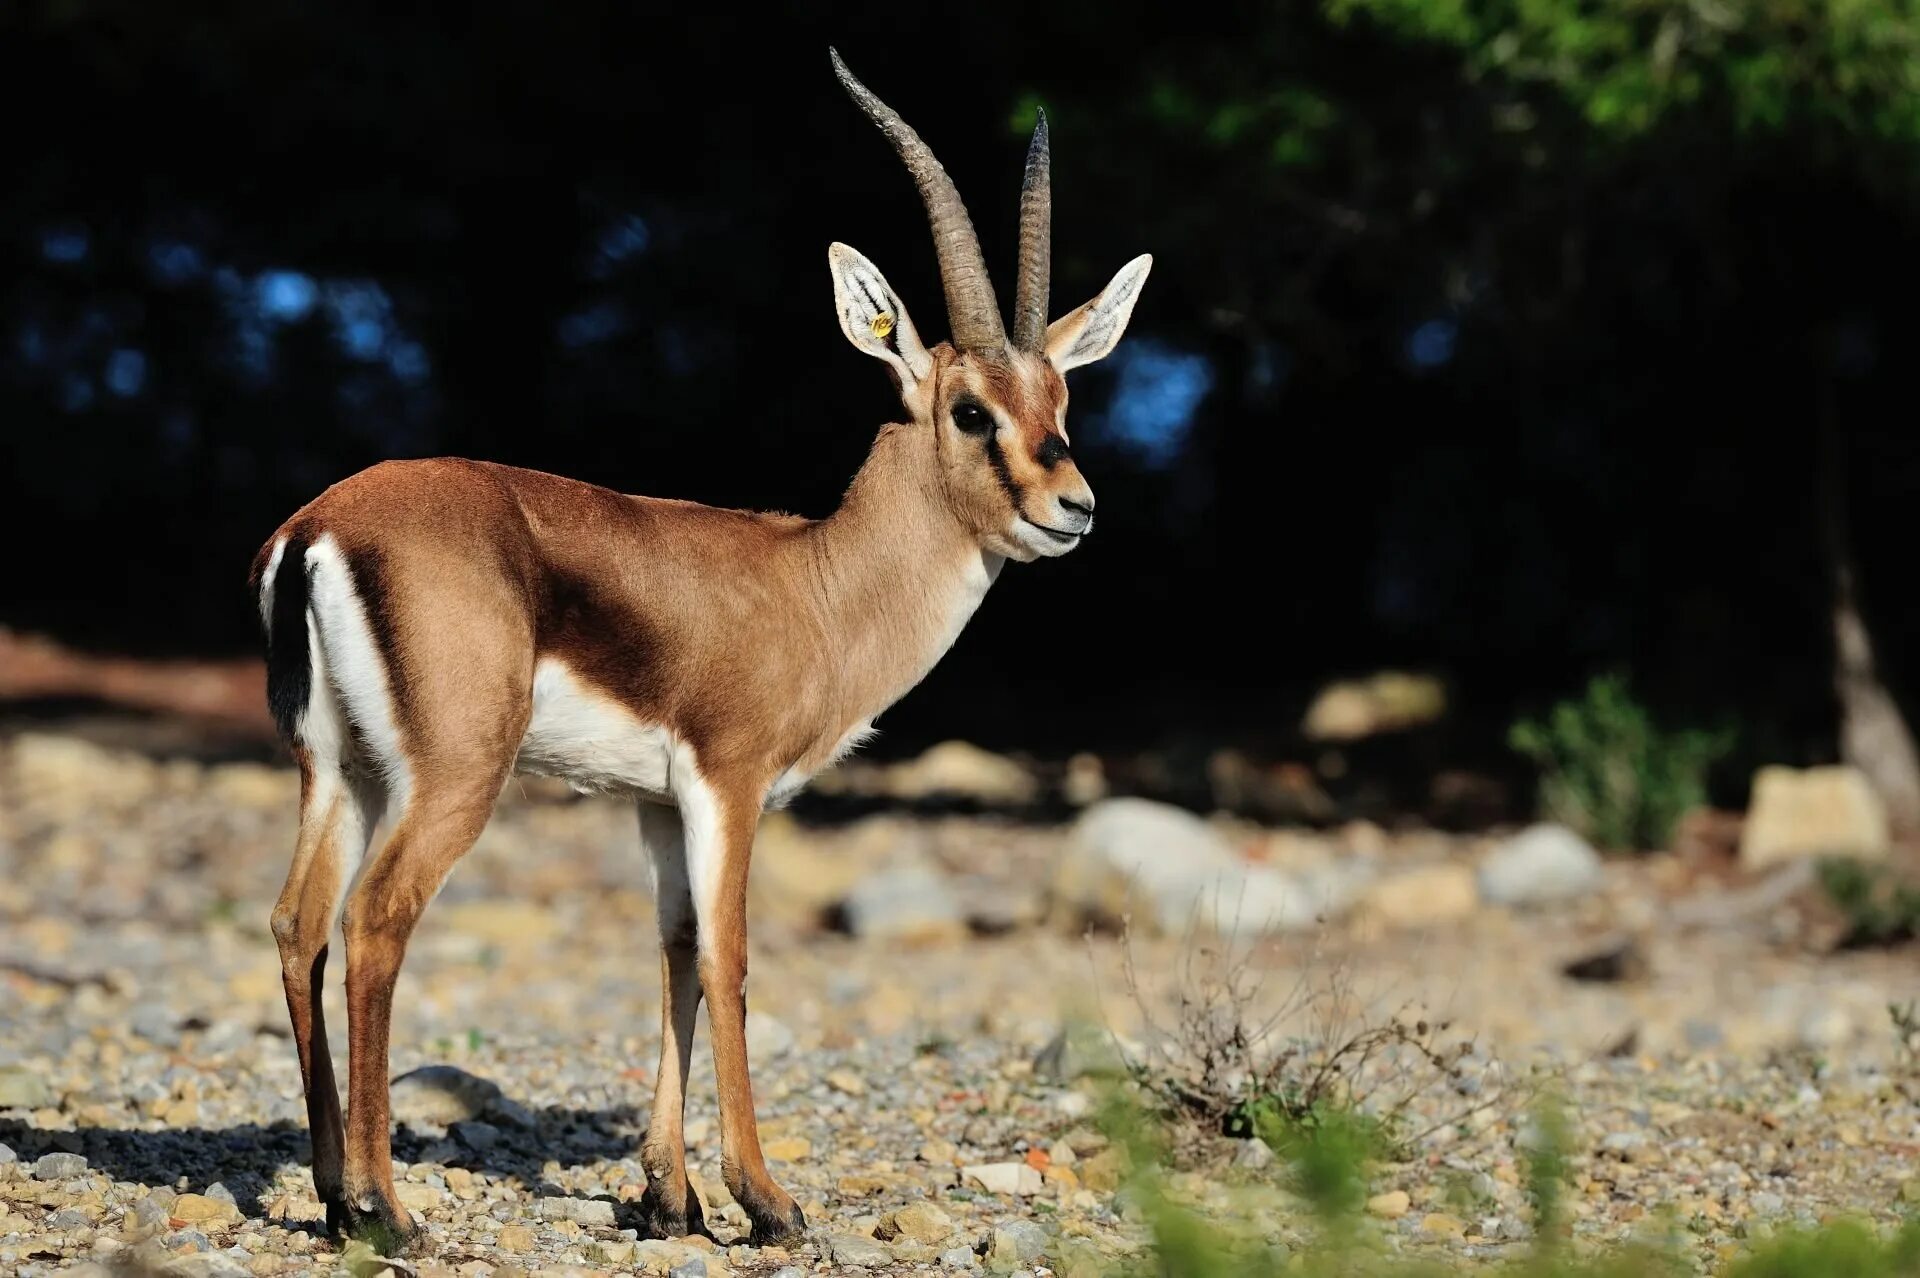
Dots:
(1447, 363)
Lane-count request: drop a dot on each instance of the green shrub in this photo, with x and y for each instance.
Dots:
(1880, 907)
(1609, 772)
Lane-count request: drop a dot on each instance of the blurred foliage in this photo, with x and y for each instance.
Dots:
(1328, 1172)
(1769, 64)
(1466, 320)
(1881, 906)
(1609, 772)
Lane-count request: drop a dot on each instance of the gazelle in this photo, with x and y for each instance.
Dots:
(434, 626)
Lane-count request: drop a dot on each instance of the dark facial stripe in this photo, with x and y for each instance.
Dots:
(1052, 451)
(998, 460)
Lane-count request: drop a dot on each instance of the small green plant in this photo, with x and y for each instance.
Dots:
(1328, 1172)
(1905, 1018)
(1880, 907)
(1609, 772)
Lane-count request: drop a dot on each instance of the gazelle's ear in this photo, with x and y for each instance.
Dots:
(873, 317)
(1091, 332)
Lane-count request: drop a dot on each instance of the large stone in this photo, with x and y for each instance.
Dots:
(1165, 867)
(436, 1095)
(910, 903)
(1542, 863)
(1422, 897)
(586, 1211)
(1386, 702)
(1812, 812)
(55, 1167)
(960, 770)
(199, 1209)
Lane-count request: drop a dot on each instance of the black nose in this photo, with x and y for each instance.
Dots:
(1076, 507)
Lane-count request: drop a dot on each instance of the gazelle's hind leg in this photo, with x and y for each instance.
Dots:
(337, 816)
(439, 824)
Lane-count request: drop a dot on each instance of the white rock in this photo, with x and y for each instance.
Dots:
(1012, 1179)
(909, 903)
(1812, 812)
(1164, 867)
(1542, 863)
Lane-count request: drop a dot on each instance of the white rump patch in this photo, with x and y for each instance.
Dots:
(591, 741)
(266, 582)
(353, 666)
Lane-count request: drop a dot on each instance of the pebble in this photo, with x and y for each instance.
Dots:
(921, 1222)
(857, 1250)
(1004, 1178)
(1391, 1205)
(1016, 1243)
(958, 1258)
(21, 1088)
(437, 1095)
(200, 1209)
(695, 1267)
(586, 1211)
(848, 1082)
(7, 1156)
(56, 1167)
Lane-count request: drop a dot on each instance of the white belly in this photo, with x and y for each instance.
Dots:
(590, 741)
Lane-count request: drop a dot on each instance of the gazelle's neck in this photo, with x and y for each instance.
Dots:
(898, 575)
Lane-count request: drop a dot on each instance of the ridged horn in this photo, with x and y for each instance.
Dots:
(972, 312)
(1036, 246)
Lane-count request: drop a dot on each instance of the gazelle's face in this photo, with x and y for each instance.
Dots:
(996, 417)
(999, 426)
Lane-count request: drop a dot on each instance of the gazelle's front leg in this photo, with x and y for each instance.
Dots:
(672, 1210)
(720, 821)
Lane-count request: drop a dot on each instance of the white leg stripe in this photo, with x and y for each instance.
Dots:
(354, 665)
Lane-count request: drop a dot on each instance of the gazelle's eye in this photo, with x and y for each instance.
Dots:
(972, 417)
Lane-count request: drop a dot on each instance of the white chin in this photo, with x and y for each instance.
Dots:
(1028, 543)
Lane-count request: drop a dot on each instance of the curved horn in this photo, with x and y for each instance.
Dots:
(972, 312)
(1036, 248)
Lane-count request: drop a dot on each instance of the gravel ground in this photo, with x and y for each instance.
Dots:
(1732, 1082)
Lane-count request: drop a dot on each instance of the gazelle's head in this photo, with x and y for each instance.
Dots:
(992, 408)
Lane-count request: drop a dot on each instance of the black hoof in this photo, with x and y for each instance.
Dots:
(383, 1227)
(777, 1219)
(660, 1218)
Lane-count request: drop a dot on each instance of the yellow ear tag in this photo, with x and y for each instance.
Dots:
(882, 324)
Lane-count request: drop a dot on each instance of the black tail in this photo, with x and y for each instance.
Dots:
(289, 667)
